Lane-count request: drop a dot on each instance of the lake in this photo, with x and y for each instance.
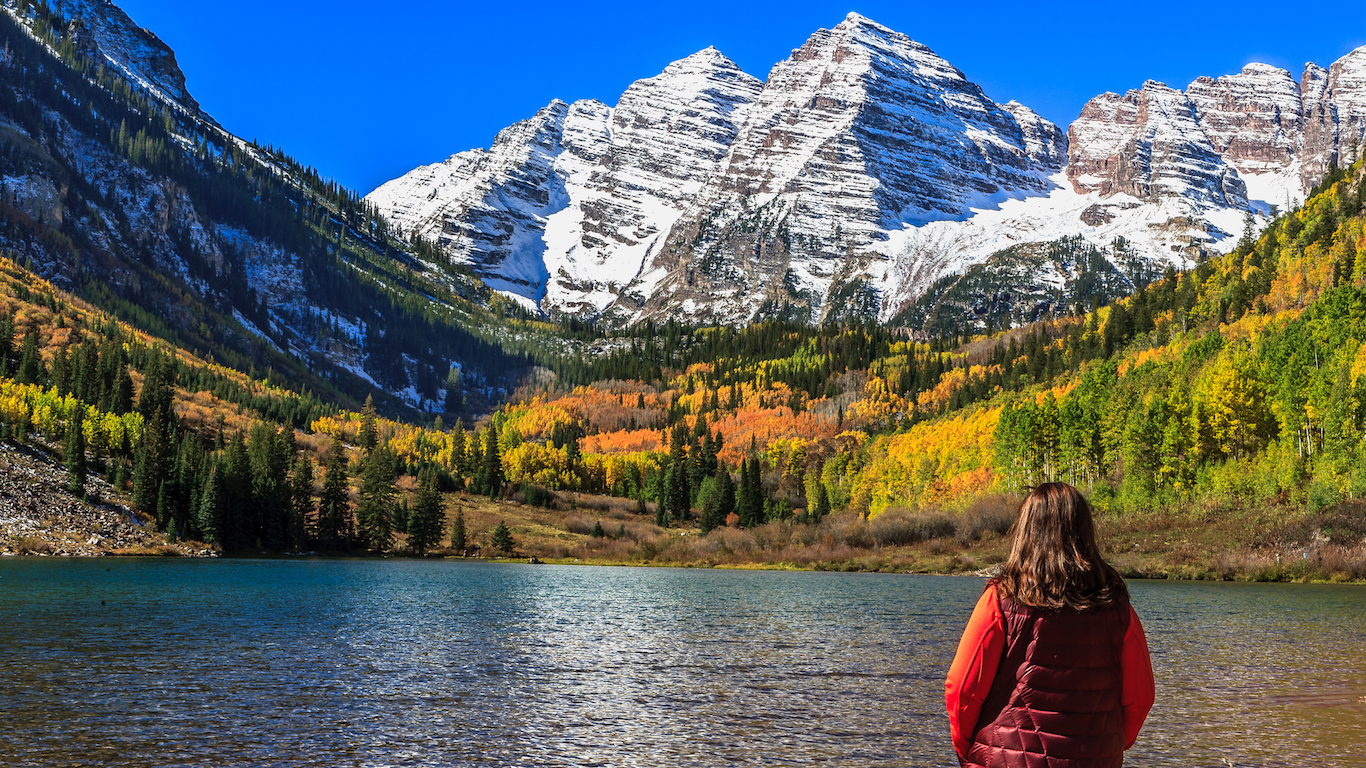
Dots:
(319, 662)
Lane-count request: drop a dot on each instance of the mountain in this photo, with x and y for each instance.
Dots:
(113, 185)
(859, 130)
(101, 31)
(563, 208)
(862, 170)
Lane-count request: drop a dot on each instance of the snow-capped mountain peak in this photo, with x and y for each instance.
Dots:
(862, 169)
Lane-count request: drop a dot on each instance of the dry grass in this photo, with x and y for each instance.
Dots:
(30, 545)
(157, 550)
(1232, 546)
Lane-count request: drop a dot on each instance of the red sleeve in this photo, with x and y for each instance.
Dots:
(1138, 690)
(974, 668)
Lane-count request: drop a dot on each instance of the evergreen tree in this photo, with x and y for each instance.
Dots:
(334, 503)
(492, 470)
(210, 508)
(662, 505)
(743, 498)
(75, 452)
(820, 506)
(598, 532)
(679, 492)
(459, 455)
(270, 485)
(424, 527)
(6, 342)
(235, 519)
(61, 372)
(158, 388)
(121, 399)
(303, 514)
(719, 501)
(756, 485)
(502, 538)
(150, 465)
(367, 436)
(459, 542)
(375, 512)
(31, 369)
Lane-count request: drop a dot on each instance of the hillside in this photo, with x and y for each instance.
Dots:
(1214, 418)
(115, 187)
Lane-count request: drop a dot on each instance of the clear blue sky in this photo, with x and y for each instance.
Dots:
(368, 90)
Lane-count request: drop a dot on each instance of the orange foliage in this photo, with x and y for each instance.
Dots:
(625, 441)
(767, 426)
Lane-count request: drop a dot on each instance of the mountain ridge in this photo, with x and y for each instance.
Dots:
(812, 215)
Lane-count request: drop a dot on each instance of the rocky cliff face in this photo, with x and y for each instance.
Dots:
(708, 191)
(860, 130)
(1148, 144)
(1259, 129)
(102, 28)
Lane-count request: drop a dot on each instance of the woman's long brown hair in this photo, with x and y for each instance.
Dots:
(1054, 561)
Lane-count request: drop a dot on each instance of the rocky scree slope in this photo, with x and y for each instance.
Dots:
(861, 171)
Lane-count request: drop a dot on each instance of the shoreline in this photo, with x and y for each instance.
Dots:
(1129, 573)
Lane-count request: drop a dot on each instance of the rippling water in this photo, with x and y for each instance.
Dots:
(336, 662)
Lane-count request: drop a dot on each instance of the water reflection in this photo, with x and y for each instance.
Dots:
(447, 663)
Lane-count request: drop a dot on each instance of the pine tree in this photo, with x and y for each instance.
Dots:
(270, 485)
(375, 512)
(234, 480)
(61, 372)
(6, 342)
(367, 436)
(75, 452)
(210, 509)
(459, 542)
(303, 513)
(334, 503)
(820, 507)
(424, 528)
(502, 538)
(721, 502)
(742, 494)
(150, 465)
(678, 490)
(121, 399)
(756, 489)
(492, 470)
(31, 369)
(598, 532)
(459, 454)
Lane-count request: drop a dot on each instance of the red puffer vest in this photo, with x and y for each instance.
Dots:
(1055, 702)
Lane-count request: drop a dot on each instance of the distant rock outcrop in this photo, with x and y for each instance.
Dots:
(1279, 135)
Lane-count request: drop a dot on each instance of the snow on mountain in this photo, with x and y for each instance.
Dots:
(99, 26)
(1277, 136)
(563, 208)
(859, 130)
(861, 170)
(1148, 144)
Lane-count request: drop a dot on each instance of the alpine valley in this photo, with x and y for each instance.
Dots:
(834, 318)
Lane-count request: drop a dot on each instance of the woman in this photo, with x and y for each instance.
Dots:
(1053, 668)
